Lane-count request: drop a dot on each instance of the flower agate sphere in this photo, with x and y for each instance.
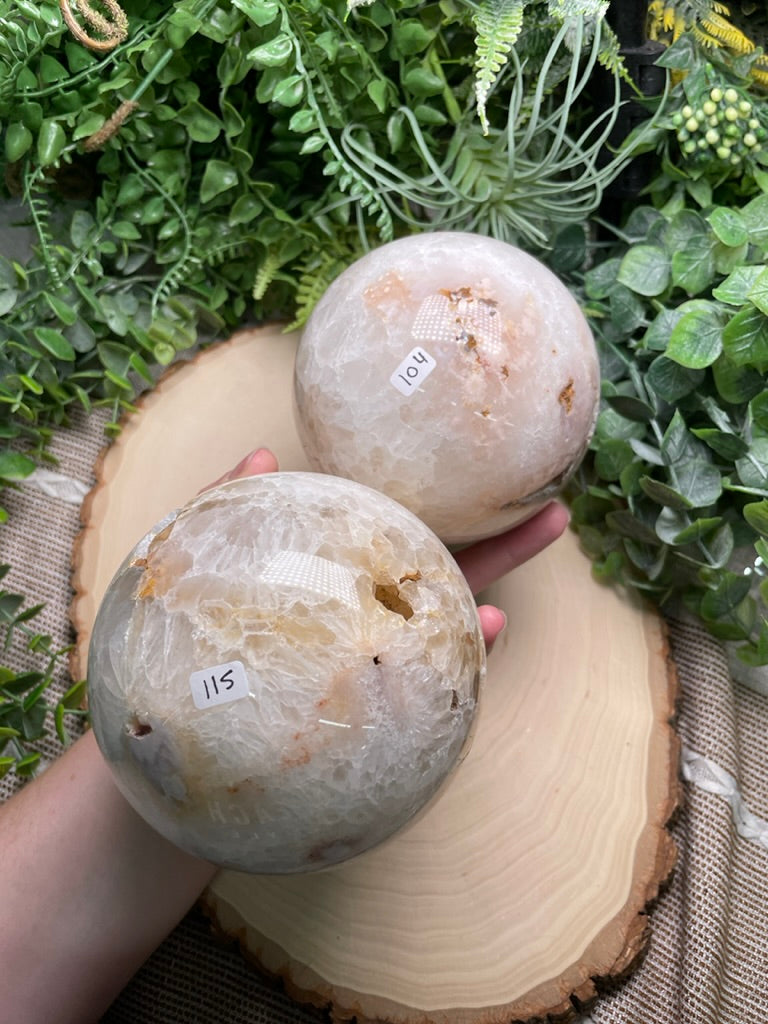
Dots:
(453, 372)
(283, 673)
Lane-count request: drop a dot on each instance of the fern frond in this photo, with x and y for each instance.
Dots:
(40, 213)
(727, 34)
(609, 55)
(315, 275)
(265, 274)
(498, 24)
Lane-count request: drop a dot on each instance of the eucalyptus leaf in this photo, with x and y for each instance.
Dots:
(728, 225)
(697, 339)
(645, 269)
(756, 514)
(752, 468)
(745, 337)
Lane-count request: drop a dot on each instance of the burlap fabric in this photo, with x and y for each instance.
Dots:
(707, 962)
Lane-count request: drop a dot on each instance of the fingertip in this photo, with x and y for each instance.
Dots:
(558, 517)
(262, 460)
(493, 622)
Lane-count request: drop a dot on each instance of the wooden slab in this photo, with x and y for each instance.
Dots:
(527, 880)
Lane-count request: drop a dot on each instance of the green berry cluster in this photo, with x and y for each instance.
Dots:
(723, 129)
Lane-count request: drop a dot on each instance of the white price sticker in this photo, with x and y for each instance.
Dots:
(413, 371)
(219, 684)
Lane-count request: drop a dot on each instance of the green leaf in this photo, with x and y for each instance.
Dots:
(753, 467)
(612, 458)
(698, 530)
(657, 335)
(260, 12)
(218, 177)
(758, 293)
(758, 409)
(274, 54)
(67, 314)
(728, 446)
(745, 337)
(600, 280)
(422, 82)
(729, 225)
(80, 228)
(671, 523)
(736, 384)
(726, 597)
(411, 36)
(693, 267)
(645, 269)
(51, 141)
(697, 339)
(671, 381)
(202, 125)
(756, 514)
(699, 482)
(289, 91)
(630, 407)
(755, 214)
(676, 444)
(663, 494)
(15, 466)
(18, 139)
(736, 287)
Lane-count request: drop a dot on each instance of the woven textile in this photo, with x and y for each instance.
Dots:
(707, 962)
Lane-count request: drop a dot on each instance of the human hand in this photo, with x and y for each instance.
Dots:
(482, 563)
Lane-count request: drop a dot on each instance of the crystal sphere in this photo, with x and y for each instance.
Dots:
(453, 372)
(282, 673)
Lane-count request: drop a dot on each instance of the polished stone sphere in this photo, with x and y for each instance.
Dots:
(455, 373)
(283, 673)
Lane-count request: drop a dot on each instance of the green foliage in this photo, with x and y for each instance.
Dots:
(676, 485)
(711, 137)
(228, 158)
(499, 25)
(25, 712)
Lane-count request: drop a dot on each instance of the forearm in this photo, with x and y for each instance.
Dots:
(87, 891)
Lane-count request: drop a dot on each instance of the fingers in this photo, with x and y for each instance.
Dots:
(492, 621)
(488, 560)
(259, 461)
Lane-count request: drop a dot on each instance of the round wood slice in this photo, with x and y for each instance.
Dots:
(528, 878)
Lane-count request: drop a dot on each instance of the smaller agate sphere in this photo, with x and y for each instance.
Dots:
(284, 672)
(453, 372)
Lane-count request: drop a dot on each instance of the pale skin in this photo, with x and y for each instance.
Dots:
(88, 890)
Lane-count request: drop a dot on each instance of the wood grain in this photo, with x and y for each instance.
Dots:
(528, 878)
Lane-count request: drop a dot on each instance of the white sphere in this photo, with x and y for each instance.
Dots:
(283, 673)
(453, 372)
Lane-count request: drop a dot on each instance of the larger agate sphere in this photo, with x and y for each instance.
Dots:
(283, 673)
(455, 373)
